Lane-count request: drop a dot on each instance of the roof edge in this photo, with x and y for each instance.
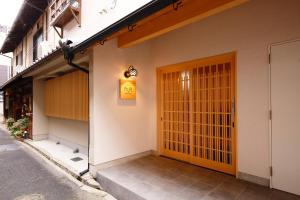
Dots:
(54, 54)
(12, 27)
(35, 14)
(141, 13)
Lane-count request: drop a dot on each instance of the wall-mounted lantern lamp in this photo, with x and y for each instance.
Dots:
(131, 71)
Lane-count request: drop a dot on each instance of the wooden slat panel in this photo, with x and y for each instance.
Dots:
(67, 96)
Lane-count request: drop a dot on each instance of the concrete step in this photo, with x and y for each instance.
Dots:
(115, 189)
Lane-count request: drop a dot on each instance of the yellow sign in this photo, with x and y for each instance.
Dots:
(127, 89)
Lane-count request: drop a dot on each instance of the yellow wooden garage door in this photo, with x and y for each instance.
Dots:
(196, 112)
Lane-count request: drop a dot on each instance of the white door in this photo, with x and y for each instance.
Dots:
(285, 104)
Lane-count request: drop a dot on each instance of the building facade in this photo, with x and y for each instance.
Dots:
(202, 89)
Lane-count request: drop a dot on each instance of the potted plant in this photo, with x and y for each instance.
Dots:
(18, 135)
(24, 122)
(19, 127)
(14, 128)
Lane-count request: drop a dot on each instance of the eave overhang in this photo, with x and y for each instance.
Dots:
(29, 13)
(55, 54)
(139, 14)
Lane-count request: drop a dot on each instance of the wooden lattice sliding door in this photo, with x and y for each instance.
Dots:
(176, 114)
(196, 112)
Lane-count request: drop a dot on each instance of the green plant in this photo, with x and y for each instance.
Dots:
(23, 123)
(18, 133)
(14, 128)
(19, 127)
(10, 122)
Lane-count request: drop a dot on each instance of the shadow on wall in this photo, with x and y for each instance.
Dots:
(122, 102)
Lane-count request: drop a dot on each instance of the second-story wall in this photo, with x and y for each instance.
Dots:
(93, 19)
(26, 47)
(50, 41)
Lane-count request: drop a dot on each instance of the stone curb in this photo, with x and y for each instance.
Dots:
(86, 179)
(70, 175)
(54, 161)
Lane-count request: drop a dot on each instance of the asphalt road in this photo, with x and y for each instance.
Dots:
(25, 176)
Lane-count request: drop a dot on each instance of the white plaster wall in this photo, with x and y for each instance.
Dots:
(40, 121)
(122, 127)
(92, 21)
(29, 51)
(70, 131)
(248, 30)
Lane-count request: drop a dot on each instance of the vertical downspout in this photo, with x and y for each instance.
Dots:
(88, 91)
(68, 56)
(70, 63)
(89, 131)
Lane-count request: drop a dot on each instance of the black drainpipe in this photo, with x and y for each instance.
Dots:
(76, 66)
(68, 55)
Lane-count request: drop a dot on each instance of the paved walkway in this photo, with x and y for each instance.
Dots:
(62, 155)
(24, 176)
(159, 178)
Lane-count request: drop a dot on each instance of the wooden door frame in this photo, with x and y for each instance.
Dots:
(187, 64)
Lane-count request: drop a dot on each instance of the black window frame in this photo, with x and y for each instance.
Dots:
(35, 43)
